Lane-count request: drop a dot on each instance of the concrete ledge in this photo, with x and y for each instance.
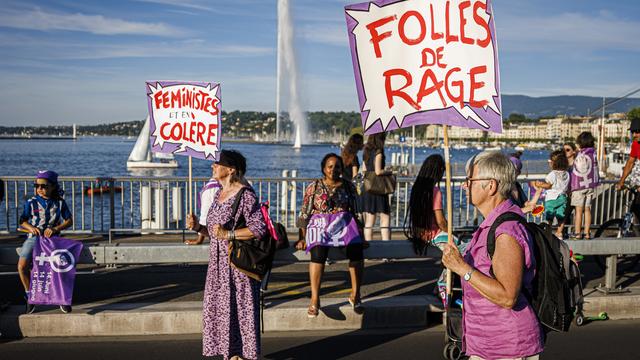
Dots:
(617, 306)
(186, 317)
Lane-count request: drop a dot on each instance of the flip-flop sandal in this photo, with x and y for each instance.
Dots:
(313, 311)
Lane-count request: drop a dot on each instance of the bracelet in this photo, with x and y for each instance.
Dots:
(231, 234)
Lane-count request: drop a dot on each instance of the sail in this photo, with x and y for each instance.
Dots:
(141, 150)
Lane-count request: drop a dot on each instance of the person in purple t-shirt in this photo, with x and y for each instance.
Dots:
(498, 321)
(584, 179)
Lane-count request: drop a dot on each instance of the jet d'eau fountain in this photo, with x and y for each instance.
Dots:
(287, 69)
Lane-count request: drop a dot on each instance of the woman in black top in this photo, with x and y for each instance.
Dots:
(375, 205)
(350, 156)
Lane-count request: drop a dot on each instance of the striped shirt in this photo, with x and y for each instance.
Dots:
(44, 213)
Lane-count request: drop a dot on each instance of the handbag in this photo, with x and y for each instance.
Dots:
(379, 184)
(252, 257)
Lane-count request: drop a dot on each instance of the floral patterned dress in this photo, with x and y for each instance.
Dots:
(230, 313)
(321, 199)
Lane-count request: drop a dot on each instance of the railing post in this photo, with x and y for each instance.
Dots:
(294, 188)
(610, 273)
(112, 204)
(283, 191)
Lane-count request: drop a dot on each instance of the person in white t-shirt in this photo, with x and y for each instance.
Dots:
(556, 185)
(207, 193)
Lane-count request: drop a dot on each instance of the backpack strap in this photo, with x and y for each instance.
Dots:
(491, 237)
(491, 241)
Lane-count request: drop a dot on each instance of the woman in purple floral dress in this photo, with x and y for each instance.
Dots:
(230, 313)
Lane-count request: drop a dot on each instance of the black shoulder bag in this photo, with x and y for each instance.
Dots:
(253, 257)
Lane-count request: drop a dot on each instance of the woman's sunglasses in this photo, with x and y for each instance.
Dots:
(40, 186)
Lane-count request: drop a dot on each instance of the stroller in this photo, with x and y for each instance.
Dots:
(453, 306)
(453, 322)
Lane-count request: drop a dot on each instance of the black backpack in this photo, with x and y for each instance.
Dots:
(556, 288)
(253, 257)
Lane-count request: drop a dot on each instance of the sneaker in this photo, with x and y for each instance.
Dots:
(65, 308)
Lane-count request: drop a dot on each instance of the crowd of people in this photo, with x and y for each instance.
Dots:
(337, 212)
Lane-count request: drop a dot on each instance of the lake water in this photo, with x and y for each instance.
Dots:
(107, 156)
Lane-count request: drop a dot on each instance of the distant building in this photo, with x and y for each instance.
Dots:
(559, 129)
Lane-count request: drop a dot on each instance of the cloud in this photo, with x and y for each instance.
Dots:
(567, 32)
(333, 35)
(38, 19)
(34, 48)
(188, 4)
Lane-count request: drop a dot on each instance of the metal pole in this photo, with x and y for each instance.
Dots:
(112, 202)
(447, 162)
(413, 145)
(601, 140)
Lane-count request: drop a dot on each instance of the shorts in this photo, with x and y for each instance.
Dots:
(354, 252)
(582, 198)
(555, 209)
(27, 248)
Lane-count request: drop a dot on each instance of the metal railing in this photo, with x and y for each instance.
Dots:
(161, 203)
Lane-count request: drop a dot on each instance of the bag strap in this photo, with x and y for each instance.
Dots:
(491, 237)
(236, 205)
(491, 242)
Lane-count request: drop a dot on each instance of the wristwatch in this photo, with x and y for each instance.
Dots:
(467, 276)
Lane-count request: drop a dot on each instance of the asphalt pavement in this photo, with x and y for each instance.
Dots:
(597, 341)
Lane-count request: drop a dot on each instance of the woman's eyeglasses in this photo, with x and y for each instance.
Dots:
(468, 180)
(40, 186)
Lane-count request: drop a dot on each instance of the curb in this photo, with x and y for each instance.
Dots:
(186, 317)
(171, 318)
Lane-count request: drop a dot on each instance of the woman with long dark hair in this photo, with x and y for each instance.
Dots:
(372, 204)
(350, 156)
(425, 218)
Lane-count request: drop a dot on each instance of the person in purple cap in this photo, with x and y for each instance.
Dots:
(518, 196)
(45, 214)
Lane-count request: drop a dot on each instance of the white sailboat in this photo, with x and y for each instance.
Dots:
(141, 156)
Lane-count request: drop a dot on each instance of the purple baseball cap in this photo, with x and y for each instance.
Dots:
(517, 163)
(49, 175)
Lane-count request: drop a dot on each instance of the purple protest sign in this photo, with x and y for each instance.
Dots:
(333, 230)
(54, 270)
(425, 62)
(185, 118)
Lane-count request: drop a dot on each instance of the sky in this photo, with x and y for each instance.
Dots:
(86, 62)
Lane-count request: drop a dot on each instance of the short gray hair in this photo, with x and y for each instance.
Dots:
(495, 165)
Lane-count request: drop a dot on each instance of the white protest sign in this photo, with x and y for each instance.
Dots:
(425, 62)
(185, 118)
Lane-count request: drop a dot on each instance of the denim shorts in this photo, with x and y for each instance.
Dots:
(27, 247)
